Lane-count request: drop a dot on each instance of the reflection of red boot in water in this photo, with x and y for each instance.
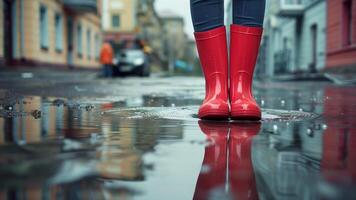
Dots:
(241, 175)
(213, 172)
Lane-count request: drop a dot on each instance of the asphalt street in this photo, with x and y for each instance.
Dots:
(72, 135)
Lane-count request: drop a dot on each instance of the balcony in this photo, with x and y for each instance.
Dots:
(291, 8)
(81, 5)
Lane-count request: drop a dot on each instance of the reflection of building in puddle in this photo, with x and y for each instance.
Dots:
(22, 128)
(118, 158)
(108, 146)
(292, 99)
(287, 163)
(79, 123)
(39, 119)
(78, 190)
(126, 140)
(339, 149)
(301, 160)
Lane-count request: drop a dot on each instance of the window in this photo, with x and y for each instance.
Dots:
(79, 41)
(88, 43)
(347, 22)
(115, 21)
(59, 32)
(43, 27)
(97, 47)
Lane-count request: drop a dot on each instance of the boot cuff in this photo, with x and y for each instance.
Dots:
(210, 34)
(234, 28)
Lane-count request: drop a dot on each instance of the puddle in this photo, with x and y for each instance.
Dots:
(189, 113)
(133, 146)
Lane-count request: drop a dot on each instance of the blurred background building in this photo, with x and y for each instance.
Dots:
(150, 30)
(175, 38)
(69, 33)
(295, 37)
(63, 33)
(307, 37)
(341, 39)
(119, 20)
(300, 37)
(162, 34)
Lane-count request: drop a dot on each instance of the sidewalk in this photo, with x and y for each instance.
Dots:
(47, 73)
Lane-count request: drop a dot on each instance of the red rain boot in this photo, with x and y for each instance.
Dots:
(245, 42)
(212, 50)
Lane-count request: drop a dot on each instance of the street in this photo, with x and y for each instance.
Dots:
(71, 135)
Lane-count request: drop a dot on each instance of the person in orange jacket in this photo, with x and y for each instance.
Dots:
(106, 59)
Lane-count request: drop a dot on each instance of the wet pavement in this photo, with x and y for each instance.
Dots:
(72, 136)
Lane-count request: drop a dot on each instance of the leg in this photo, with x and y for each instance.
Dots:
(245, 32)
(207, 14)
(249, 12)
(210, 35)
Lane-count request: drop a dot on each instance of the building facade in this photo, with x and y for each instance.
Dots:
(341, 29)
(175, 37)
(119, 20)
(294, 37)
(50, 33)
(150, 30)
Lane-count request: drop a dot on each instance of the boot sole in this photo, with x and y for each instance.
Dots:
(214, 115)
(246, 115)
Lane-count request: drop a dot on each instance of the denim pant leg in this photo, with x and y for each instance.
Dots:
(207, 14)
(107, 70)
(249, 12)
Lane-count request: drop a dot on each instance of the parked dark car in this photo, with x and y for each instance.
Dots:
(131, 62)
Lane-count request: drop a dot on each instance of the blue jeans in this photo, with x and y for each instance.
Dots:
(107, 70)
(209, 14)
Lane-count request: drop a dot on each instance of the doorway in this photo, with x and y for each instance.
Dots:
(8, 31)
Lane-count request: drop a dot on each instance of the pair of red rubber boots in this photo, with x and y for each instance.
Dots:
(229, 97)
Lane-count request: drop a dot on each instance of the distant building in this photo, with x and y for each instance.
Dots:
(175, 37)
(294, 39)
(150, 30)
(50, 33)
(341, 31)
(119, 20)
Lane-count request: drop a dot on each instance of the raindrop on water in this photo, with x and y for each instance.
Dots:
(262, 102)
(9, 107)
(173, 105)
(283, 102)
(310, 132)
(275, 128)
(324, 126)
